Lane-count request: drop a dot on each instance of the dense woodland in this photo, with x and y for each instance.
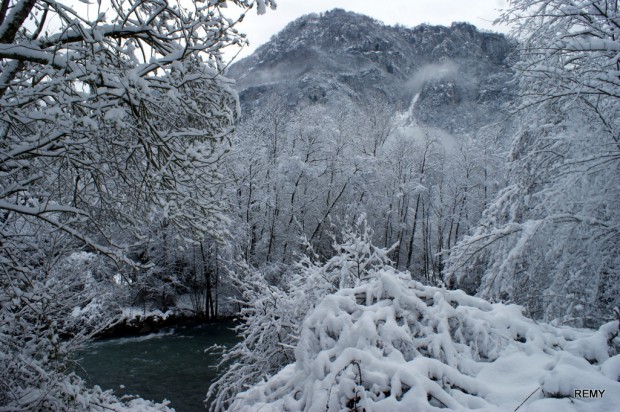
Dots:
(130, 177)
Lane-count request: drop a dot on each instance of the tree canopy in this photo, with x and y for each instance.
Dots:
(112, 114)
(549, 241)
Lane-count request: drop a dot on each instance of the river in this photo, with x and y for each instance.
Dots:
(169, 365)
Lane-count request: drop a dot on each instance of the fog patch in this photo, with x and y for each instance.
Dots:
(431, 72)
(417, 135)
(272, 75)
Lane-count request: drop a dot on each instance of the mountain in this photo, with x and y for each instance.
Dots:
(459, 76)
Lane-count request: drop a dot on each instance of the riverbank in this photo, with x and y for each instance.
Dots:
(136, 322)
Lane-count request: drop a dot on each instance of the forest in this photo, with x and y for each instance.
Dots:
(372, 262)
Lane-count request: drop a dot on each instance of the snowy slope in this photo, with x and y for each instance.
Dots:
(393, 344)
(463, 75)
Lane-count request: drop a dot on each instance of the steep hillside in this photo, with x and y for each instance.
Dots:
(462, 75)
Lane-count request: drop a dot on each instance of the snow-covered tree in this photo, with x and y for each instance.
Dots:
(297, 175)
(549, 241)
(110, 115)
(569, 50)
(292, 174)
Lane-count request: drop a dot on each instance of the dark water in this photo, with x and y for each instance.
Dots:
(169, 365)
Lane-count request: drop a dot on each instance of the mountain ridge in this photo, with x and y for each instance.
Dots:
(462, 74)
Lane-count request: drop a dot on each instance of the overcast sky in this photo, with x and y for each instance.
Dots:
(480, 13)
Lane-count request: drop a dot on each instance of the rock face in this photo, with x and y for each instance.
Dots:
(461, 75)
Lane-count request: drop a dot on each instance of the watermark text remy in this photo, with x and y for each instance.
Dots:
(589, 393)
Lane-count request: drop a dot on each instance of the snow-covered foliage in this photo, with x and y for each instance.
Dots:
(550, 240)
(56, 391)
(299, 174)
(45, 316)
(569, 50)
(356, 334)
(393, 344)
(272, 315)
(108, 119)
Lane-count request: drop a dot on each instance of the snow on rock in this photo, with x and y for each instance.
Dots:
(393, 344)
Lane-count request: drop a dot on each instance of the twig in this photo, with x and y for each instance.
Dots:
(536, 390)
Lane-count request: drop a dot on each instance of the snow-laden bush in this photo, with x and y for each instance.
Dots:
(393, 344)
(68, 392)
(46, 315)
(273, 314)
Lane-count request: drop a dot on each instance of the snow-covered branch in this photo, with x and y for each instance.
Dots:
(109, 123)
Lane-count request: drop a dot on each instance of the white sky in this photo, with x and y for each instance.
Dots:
(480, 13)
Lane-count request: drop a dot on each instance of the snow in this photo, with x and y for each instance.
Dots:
(393, 344)
(68, 392)
(131, 313)
(261, 5)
